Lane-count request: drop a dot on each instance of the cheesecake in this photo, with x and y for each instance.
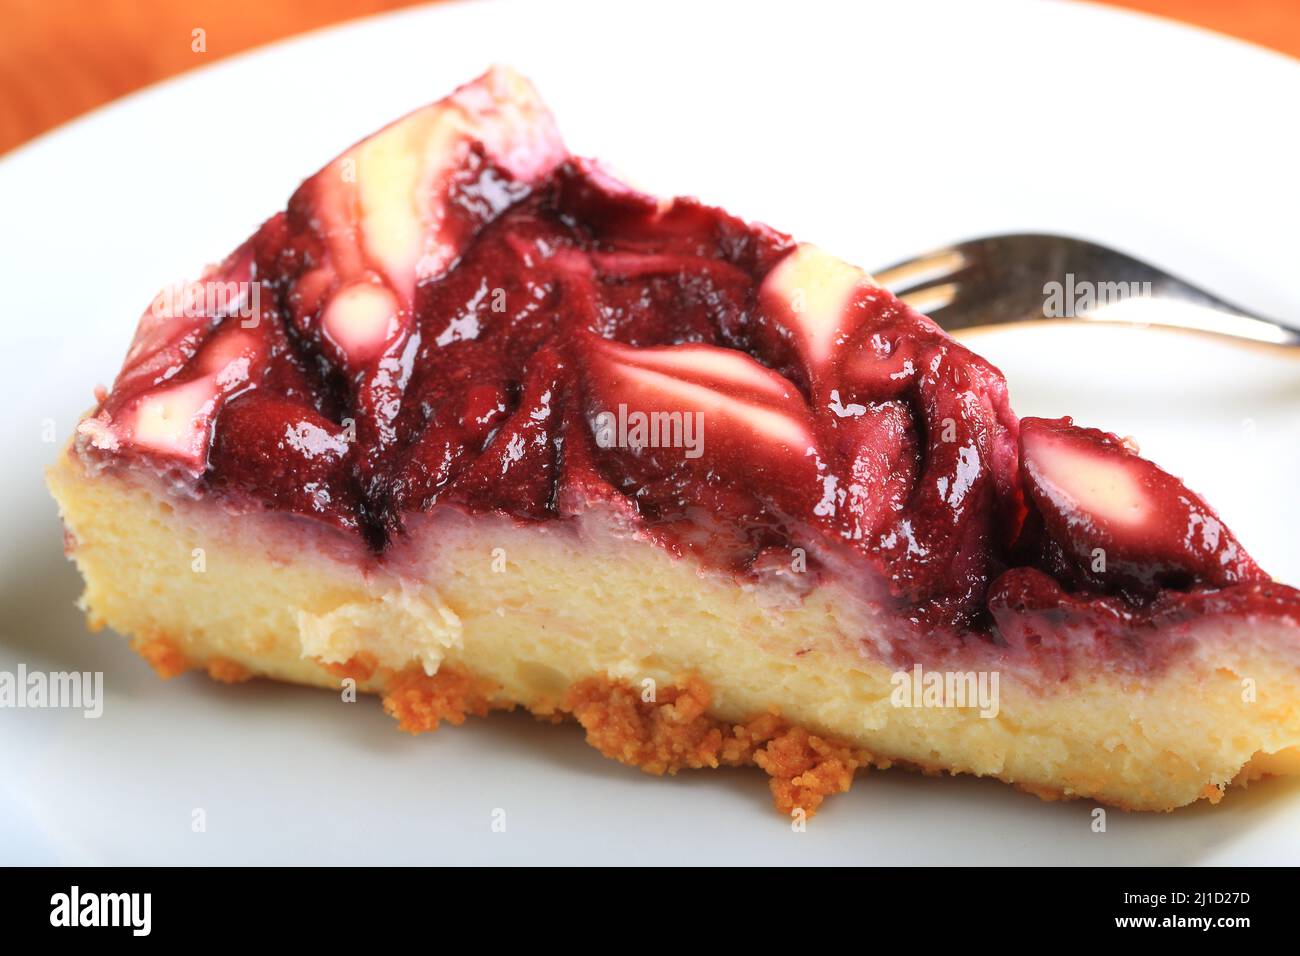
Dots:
(472, 425)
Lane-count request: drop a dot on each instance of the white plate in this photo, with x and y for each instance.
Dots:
(876, 132)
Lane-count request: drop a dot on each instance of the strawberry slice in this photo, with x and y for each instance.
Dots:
(524, 453)
(1117, 521)
(808, 302)
(286, 453)
(388, 201)
(670, 422)
(172, 420)
(879, 444)
(699, 401)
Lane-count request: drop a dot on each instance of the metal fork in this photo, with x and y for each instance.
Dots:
(1030, 277)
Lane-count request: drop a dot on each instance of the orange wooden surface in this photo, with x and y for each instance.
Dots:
(60, 58)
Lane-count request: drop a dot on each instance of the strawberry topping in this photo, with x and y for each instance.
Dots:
(455, 311)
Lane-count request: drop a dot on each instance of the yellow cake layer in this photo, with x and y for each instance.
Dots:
(535, 609)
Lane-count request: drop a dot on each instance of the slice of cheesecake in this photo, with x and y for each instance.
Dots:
(476, 426)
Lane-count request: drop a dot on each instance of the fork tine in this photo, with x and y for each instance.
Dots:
(933, 268)
(931, 298)
(996, 280)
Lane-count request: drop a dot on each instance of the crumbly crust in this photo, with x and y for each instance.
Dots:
(227, 671)
(168, 660)
(660, 733)
(359, 667)
(672, 730)
(421, 702)
(163, 655)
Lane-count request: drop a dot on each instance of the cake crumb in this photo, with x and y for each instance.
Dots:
(361, 666)
(664, 736)
(420, 702)
(164, 656)
(806, 769)
(227, 671)
(675, 731)
(1042, 792)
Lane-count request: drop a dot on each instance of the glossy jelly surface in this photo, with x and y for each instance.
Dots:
(456, 311)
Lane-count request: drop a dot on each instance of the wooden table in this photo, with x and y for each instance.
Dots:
(60, 58)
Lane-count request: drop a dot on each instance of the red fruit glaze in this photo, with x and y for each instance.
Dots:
(457, 312)
(1115, 522)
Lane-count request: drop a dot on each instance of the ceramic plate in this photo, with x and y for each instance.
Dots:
(874, 130)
